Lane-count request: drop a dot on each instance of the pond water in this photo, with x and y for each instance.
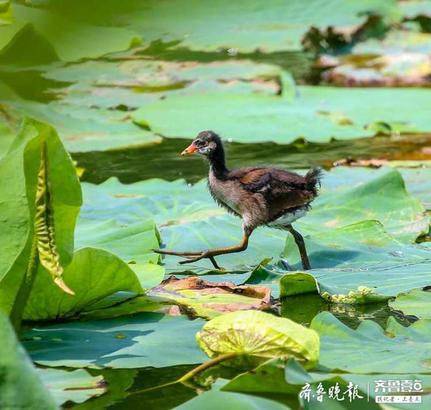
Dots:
(163, 160)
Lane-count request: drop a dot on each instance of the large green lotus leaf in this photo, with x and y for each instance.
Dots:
(418, 183)
(144, 340)
(370, 349)
(80, 128)
(74, 386)
(109, 83)
(417, 179)
(248, 25)
(180, 211)
(317, 114)
(132, 243)
(189, 212)
(19, 170)
(66, 35)
(243, 25)
(417, 303)
(133, 84)
(93, 274)
(259, 335)
(216, 399)
(20, 386)
(383, 198)
(359, 263)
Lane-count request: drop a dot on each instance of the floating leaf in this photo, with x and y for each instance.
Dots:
(179, 210)
(118, 382)
(183, 211)
(64, 33)
(81, 128)
(359, 263)
(209, 299)
(74, 386)
(247, 26)
(381, 348)
(110, 84)
(416, 176)
(144, 340)
(382, 197)
(417, 303)
(245, 118)
(260, 335)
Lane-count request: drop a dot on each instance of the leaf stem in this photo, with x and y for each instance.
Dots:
(206, 365)
(194, 372)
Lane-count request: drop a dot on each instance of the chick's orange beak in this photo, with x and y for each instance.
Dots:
(191, 149)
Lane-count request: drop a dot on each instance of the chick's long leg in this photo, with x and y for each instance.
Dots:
(210, 253)
(299, 240)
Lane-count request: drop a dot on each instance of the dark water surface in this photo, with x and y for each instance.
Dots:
(163, 160)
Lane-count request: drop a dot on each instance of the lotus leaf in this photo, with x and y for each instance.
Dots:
(258, 334)
(80, 128)
(74, 386)
(65, 34)
(144, 340)
(339, 346)
(417, 303)
(93, 274)
(248, 26)
(318, 114)
(183, 211)
(208, 299)
(118, 381)
(359, 263)
(109, 84)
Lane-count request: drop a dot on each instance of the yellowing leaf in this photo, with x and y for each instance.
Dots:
(261, 335)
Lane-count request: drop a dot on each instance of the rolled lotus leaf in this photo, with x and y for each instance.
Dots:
(259, 335)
